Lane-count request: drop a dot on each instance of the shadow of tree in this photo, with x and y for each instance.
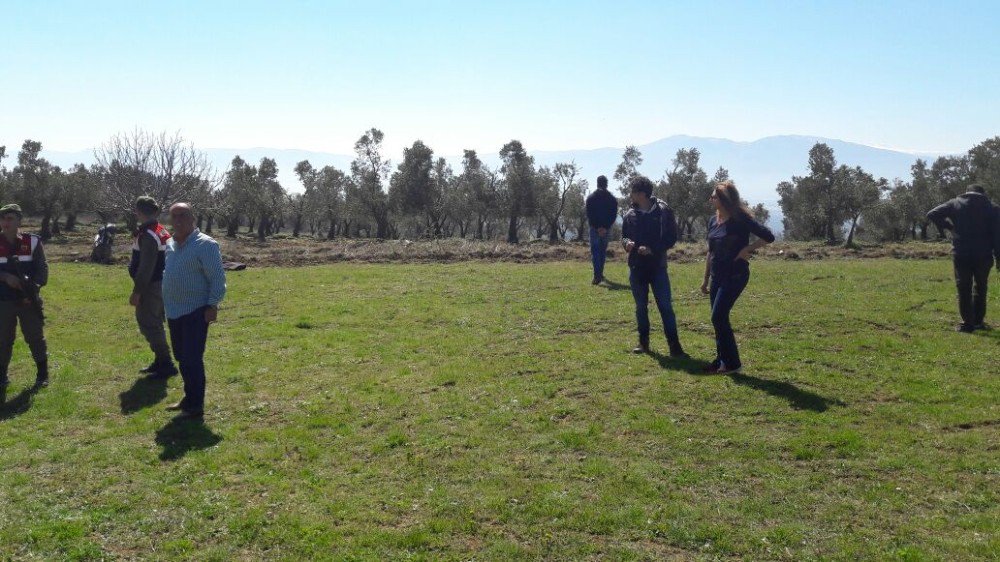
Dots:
(145, 392)
(18, 405)
(181, 435)
(798, 398)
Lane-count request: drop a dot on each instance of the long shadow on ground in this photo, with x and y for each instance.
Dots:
(615, 286)
(798, 398)
(181, 435)
(145, 392)
(18, 405)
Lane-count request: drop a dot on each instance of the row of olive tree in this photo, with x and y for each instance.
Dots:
(835, 202)
(685, 186)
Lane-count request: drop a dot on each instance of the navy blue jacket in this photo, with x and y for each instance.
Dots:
(726, 240)
(974, 223)
(602, 209)
(656, 229)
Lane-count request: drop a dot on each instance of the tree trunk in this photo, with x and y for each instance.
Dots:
(512, 230)
(46, 230)
(70, 222)
(208, 225)
(262, 229)
(553, 231)
(232, 227)
(850, 235)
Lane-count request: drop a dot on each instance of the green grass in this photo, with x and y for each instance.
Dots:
(462, 411)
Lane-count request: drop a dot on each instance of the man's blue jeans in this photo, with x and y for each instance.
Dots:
(641, 280)
(599, 251)
(724, 293)
(188, 335)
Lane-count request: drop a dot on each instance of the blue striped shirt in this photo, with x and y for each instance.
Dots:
(193, 276)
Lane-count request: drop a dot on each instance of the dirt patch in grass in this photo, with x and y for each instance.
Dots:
(287, 251)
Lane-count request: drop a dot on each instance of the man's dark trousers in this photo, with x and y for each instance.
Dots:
(641, 279)
(599, 251)
(188, 335)
(971, 277)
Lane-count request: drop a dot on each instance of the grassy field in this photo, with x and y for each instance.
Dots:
(479, 411)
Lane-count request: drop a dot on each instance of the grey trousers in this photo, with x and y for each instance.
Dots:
(11, 312)
(150, 317)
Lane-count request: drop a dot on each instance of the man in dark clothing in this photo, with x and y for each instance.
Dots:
(975, 225)
(602, 211)
(23, 271)
(146, 269)
(648, 231)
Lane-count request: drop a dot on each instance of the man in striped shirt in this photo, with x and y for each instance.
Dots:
(194, 284)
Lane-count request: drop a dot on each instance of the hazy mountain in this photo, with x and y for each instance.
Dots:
(756, 166)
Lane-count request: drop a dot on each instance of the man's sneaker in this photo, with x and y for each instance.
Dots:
(178, 407)
(641, 348)
(151, 368)
(596, 281)
(965, 328)
(725, 370)
(983, 326)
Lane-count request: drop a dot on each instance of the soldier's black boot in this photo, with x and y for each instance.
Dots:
(165, 368)
(42, 378)
(676, 351)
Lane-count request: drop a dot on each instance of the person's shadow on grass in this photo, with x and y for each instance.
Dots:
(614, 285)
(19, 404)
(145, 392)
(181, 435)
(798, 398)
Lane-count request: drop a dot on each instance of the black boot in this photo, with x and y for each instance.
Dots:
(42, 378)
(164, 369)
(151, 368)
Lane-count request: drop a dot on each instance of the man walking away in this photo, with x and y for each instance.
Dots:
(194, 284)
(648, 231)
(975, 226)
(602, 211)
(146, 268)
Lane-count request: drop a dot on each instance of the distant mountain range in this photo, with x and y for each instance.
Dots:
(756, 166)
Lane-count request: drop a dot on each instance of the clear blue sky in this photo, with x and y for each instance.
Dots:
(556, 75)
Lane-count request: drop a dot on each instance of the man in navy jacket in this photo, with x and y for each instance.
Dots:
(975, 226)
(602, 211)
(648, 231)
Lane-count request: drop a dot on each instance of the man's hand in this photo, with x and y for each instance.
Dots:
(135, 299)
(211, 314)
(644, 251)
(704, 287)
(629, 245)
(602, 232)
(11, 280)
(744, 254)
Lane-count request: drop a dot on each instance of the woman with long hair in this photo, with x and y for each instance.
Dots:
(727, 268)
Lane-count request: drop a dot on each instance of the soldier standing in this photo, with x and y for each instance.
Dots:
(23, 271)
(146, 269)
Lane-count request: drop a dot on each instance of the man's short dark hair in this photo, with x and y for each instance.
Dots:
(978, 188)
(147, 205)
(641, 183)
(602, 182)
